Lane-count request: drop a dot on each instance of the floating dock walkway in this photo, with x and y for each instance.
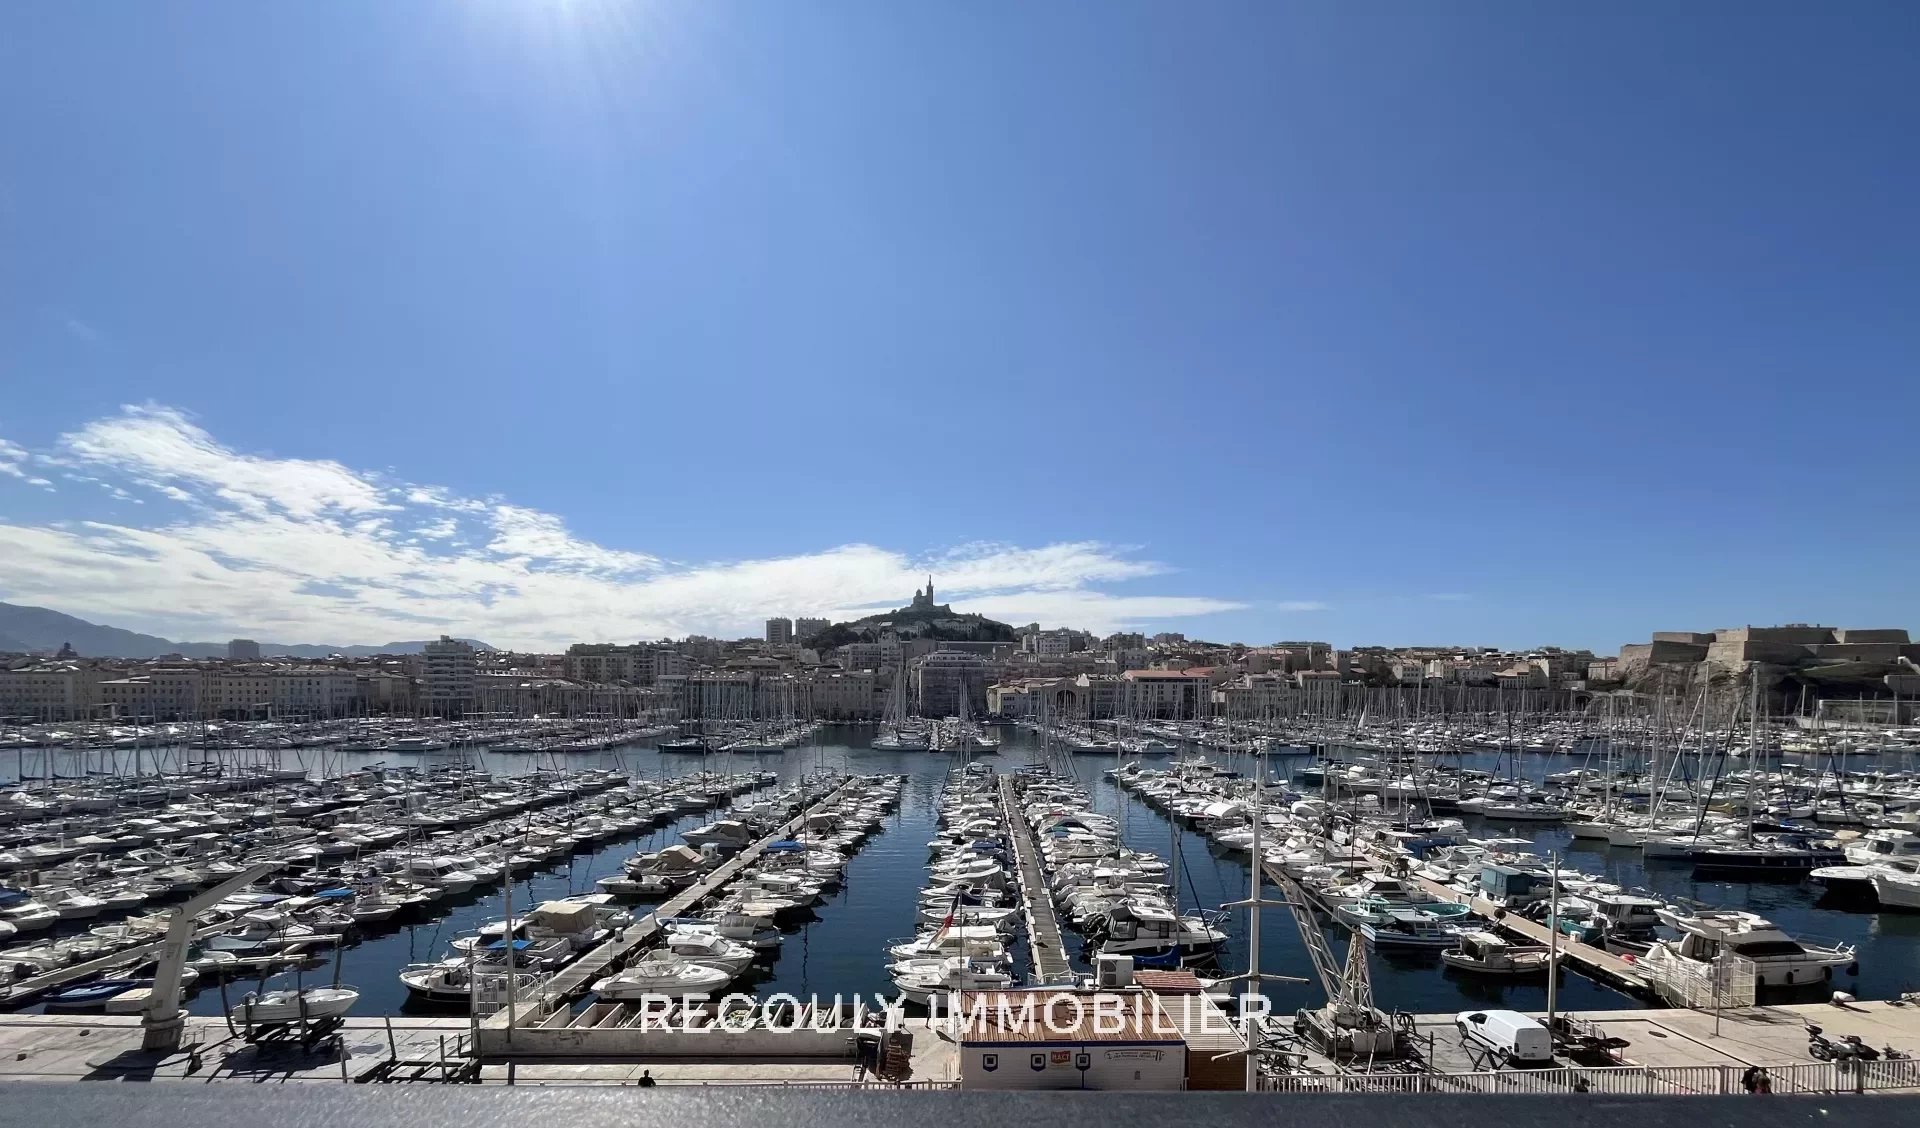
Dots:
(1050, 964)
(1595, 963)
(595, 964)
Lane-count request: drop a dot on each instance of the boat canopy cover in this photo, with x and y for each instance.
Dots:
(564, 916)
(334, 894)
(784, 845)
(682, 853)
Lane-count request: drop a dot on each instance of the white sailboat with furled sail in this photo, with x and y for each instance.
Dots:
(897, 734)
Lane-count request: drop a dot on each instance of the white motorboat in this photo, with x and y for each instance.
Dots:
(71, 904)
(969, 914)
(443, 873)
(756, 932)
(728, 834)
(1883, 845)
(663, 973)
(1896, 888)
(308, 1004)
(452, 981)
(1150, 931)
(1522, 811)
(263, 932)
(984, 941)
(24, 914)
(919, 980)
(710, 949)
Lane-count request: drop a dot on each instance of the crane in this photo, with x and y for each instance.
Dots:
(162, 1024)
(1349, 1025)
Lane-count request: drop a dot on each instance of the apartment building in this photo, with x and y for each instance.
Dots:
(448, 670)
(50, 692)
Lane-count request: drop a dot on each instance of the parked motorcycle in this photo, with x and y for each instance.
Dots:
(1847, 1049)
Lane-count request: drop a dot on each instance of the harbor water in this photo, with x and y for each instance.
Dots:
(839, 949)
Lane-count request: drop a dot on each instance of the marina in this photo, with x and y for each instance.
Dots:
(1053, 810)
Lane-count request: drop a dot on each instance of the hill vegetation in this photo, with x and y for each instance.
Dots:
(939, 622)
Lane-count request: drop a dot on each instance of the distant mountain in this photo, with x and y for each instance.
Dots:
(28, 629)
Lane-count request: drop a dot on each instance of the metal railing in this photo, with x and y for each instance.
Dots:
(922, 1086)
(1625, 1080)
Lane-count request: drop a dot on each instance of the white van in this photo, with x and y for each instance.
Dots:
(1512, 1036)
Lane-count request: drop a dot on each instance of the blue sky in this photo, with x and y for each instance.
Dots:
(1481, 323)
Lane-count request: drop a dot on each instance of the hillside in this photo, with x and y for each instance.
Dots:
(939, 622)
(29, 629)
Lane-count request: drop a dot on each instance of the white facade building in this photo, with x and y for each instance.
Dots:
(49, 693)
(448, 672)
(314, 691)
(1052, 1038)
(1053, 644)
(239, 694)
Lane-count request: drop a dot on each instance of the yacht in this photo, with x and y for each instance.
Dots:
(1152, 933)
(1778, 960)
(711, 950)
(443, 873)
(1789, 856)
(1883, 845)
(1896, 888)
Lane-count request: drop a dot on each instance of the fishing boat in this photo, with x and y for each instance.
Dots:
(1483, 953)
(1412, 928)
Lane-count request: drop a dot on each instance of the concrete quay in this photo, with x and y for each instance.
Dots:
(1672, 1052)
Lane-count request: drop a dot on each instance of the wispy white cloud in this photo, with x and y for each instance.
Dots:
(1302, 605)
(300, 549)
(157, 445)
